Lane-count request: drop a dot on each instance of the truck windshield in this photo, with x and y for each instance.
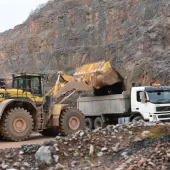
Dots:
(159, 96)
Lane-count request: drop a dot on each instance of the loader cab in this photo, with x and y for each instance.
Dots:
(29, 83)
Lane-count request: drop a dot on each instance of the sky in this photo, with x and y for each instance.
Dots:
(14, 12)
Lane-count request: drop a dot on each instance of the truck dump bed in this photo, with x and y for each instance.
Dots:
(98, 105)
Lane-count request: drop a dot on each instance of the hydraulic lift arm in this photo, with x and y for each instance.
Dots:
(86, 78)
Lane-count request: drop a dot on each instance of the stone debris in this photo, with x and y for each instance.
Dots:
(116, 147)
(44, 155)
(100, 154)
(137, 139)
(91, 152)
(59, 166)
(56, 158)
(121, 147)
(103, 149)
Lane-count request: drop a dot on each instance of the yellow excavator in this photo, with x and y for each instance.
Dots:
(25, 108)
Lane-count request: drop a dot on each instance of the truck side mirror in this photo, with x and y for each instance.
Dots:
(143, 97)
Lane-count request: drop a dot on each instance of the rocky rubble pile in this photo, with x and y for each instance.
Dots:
(156, 156)
(117, 147)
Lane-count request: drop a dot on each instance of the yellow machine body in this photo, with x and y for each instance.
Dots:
(86, 78)
(47, 113)
(23, 87)
(18, 93)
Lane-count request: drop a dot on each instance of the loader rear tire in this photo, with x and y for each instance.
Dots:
(53, 132)
(17, 124)
(71, 121)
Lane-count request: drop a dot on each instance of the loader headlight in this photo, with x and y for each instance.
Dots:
(1, 95)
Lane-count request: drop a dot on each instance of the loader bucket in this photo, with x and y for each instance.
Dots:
(97, 74)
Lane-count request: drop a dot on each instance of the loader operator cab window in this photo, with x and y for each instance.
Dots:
(36, 86)
(18, 83)
(30, 84)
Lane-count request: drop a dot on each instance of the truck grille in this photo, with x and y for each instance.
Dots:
(163, 108)
(163, 116)
(165, 121)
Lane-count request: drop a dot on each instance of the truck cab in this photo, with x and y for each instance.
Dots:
(152, 103)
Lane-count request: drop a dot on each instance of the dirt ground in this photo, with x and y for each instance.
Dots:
(34, 139)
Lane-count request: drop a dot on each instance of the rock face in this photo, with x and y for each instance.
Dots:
(133, 34)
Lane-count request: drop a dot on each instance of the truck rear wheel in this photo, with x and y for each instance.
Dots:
(89, 123)
(17, 124)
(71, 121)
(98, 123)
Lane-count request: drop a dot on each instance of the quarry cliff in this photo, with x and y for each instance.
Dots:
(64, 34)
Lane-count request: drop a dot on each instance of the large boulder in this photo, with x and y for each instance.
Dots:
(44, 156)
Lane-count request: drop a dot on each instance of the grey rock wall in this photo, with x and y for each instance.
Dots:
(133, 34)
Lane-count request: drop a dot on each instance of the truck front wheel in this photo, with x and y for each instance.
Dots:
(98, 123)
(71, 121)
(17, 124)
(89, 123)
(137, 118)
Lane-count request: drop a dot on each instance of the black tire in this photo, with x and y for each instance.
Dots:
(98, 123)
(89, 123)
(67, 117)
(11, 121)
(53, 132)
(137, 118)
(1, 137)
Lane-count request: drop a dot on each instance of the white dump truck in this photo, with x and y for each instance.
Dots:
(150, 103)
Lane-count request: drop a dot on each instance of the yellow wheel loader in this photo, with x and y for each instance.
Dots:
(25, 108)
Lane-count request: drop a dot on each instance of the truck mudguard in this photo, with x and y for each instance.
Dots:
(135, 114)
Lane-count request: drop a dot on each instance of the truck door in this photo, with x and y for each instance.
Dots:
(142, 107)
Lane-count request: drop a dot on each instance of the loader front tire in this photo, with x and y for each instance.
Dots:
(71, 121)
(17, 124)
